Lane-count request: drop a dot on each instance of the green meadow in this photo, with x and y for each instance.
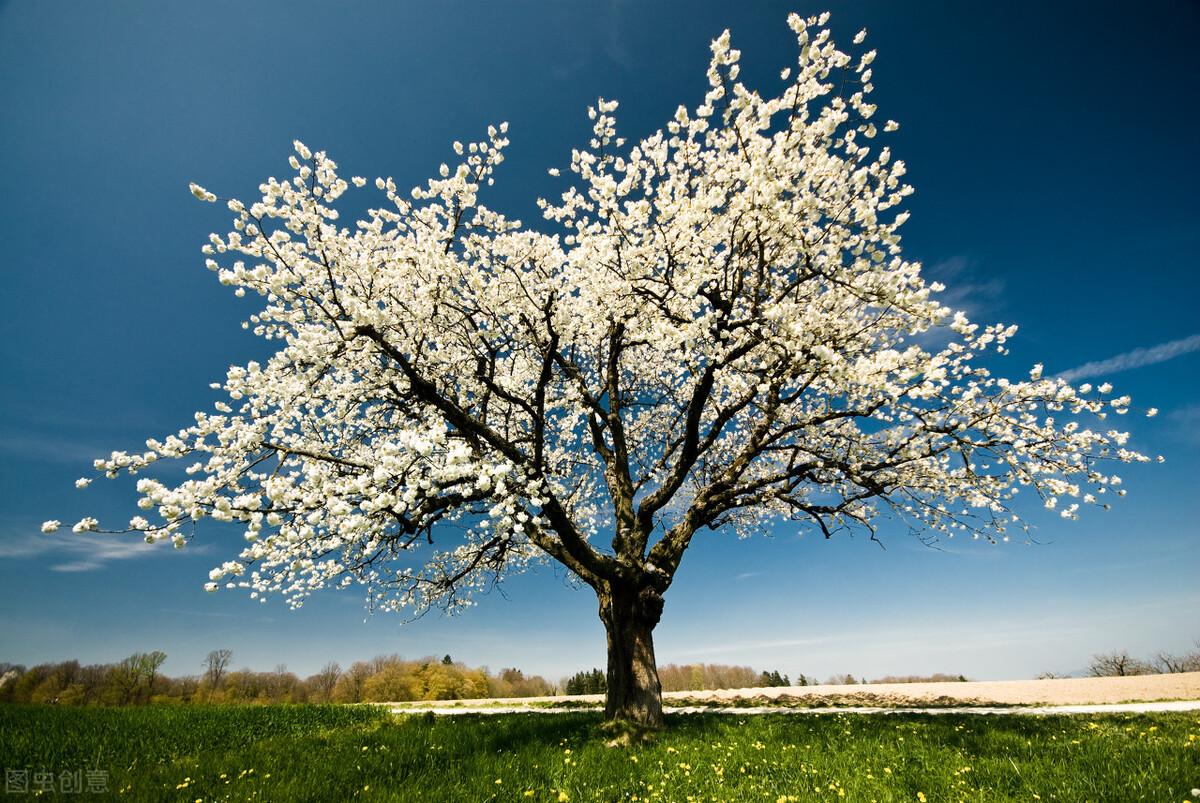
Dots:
(336, 753)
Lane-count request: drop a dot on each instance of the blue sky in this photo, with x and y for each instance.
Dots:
(1051, 146)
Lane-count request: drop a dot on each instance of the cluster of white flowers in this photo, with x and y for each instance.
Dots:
(722, 329)
(84, 525)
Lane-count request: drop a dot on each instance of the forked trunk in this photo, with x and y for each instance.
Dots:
(634, 693)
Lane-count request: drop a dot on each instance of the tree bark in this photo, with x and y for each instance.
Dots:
(634, 692)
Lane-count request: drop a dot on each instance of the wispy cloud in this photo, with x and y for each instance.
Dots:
(614, 45)
(79, 553)
(965, 289)
(1186, 422)
(1134, 359)
(50, 449)
(750, 646)
(216, 615)
(748, 575)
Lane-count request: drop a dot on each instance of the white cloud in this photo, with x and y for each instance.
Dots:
(1186, 423)
(80, 553)
(1134, 359)
(746, 646)
(49, 449)
(966, 290)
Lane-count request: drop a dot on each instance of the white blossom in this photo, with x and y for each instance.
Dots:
(84, 525)
(201, 193)
(712, 327)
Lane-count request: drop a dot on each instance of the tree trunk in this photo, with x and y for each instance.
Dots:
(634, 693)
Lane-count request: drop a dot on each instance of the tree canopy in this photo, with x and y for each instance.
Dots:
(714, 327)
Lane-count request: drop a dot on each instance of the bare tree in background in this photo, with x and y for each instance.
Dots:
(1169, 663)
(151, 662)
(323, 682)
(216, 664)
(1117, 664)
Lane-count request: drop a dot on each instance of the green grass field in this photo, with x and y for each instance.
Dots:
(335, 753)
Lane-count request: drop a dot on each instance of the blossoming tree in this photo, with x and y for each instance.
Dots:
(714, 329)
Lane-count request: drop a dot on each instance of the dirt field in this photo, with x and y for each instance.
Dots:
(1060, 691)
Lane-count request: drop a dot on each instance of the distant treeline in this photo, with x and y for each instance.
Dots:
(138, 680)
(701, 677)
(1120, 663)
(386, 678)
(689, 677)
(936, 677)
